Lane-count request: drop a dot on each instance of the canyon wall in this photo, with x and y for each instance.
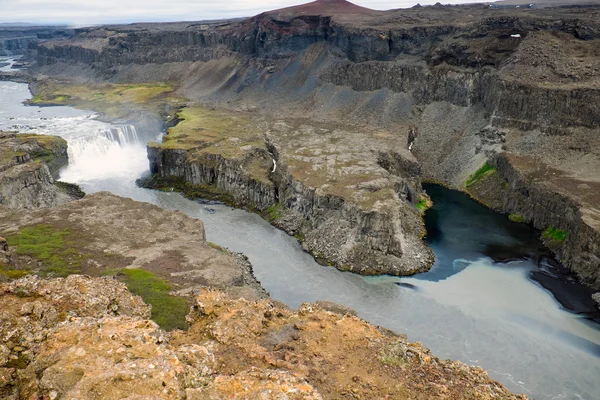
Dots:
(28, 168)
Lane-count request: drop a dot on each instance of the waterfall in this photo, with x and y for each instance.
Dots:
(122, 134)
(113, 151)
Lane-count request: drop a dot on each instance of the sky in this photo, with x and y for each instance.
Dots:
(86, 12)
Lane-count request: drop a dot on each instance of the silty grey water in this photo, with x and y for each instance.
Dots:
(481, 313)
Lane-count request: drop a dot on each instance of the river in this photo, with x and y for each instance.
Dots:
(478, 304)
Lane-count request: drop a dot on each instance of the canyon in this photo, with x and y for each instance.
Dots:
(326, 119)
(495, 81)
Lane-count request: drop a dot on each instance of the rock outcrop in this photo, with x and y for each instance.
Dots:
(29, 165)
(349, 194)
(87, 337)
(17, 40)
(103, 233)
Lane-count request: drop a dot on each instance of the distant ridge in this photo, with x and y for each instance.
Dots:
(321, 7)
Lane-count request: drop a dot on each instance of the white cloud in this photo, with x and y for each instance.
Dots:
(111, 11)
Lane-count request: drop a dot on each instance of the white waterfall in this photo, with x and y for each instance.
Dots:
(122, 134)
(114, 152)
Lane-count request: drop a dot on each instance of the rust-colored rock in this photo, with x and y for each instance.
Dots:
(64, 339)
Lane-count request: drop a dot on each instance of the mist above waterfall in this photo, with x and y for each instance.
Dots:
(97, 150)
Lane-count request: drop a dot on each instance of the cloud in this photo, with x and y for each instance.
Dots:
(82, 12)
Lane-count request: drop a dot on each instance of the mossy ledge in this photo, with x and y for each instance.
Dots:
(224, 156)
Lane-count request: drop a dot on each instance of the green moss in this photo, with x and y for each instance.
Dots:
(167, 311)
(516, 218)
(554, 235)
(47, 245)
(217, 247)
(189, 190)
(394, 355)
(273, 213)
(11, 274)
(20, 362)
(481, 173)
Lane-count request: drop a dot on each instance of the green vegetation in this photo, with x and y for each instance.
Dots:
(47, 245)
(273, 212)
(107, 98)
(554, 235)
(394, 355)
(167, 311)
(189, 190)
(9, 273)
(424, 203)
(516, 218)
(50, 100)
(217, 247)
(481, 173)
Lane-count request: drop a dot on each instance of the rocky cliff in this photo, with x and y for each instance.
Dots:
(29, 165)
(88, 337)
(349, 195)
(457, 85)
(19, 40)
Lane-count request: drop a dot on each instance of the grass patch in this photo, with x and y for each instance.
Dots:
(217, 247)
(516, 218)
(8, 273)
(47, 245)
(106, 98)
(273, 212)
(554, 235)
(167, 311)
(424, 204)
(481, 173)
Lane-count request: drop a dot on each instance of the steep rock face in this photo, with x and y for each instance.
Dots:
(28, 166)
(543, 197)
(16, 46)
(18, 40)
(212, 169)
(88, 337)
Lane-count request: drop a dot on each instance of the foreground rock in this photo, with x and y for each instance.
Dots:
(29, 165)
(32, 309)
(97, 343)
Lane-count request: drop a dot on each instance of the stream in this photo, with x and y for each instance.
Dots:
(484, 302)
